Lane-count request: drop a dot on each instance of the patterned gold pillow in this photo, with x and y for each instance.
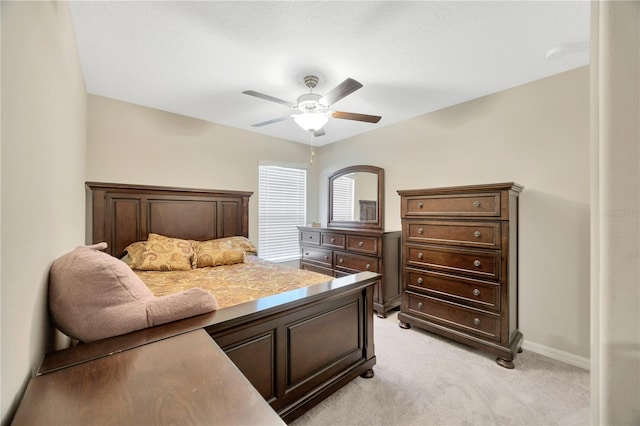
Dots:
(133, 251)
(216, 253)
(241, 242)
(162, 253)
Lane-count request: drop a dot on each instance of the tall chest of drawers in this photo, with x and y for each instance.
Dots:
(339, 252)
(460, 265)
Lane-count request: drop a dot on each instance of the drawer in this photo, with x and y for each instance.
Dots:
(485, 204)
(479, 263)
(466, 291)
(362, 244)
(316, 268)
(310, 237)
(457, 233)
(355, 263)
(318, 255)
(329, 239)
(469, 320)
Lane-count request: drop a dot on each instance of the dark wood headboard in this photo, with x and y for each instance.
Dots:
(121, 214)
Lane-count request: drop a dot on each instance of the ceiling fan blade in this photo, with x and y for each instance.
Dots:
(274, 120)
(319, 133)
(269, 98)
(357, 117)
(343, 89)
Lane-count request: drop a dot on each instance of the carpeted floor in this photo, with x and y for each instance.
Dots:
(423, 379)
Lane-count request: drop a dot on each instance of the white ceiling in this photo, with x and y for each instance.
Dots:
(196, 58)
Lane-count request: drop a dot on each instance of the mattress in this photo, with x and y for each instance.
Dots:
(234, 284)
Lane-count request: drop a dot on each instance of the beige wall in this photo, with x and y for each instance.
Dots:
(42, 175)
(615, 213)
(133, 144)
(536, 135)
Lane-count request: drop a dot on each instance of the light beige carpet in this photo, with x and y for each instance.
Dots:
(423, 379)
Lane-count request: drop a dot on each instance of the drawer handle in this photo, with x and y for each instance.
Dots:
(420, 256)
(419, 205)
(368, 266)
(420, 231)
(420, 305)
(340, 260)
(420, 280)
(476, 321)
(333, 240)
(476, 234)
(476, 263)
(310, 237)
(360, 244)
(476, 203)
(306, 254)
(476, 292)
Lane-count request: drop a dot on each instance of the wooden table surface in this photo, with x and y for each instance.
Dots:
(182, 380)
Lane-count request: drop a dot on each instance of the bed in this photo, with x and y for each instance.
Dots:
(296, 346)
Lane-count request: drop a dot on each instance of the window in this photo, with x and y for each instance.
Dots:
(343, 189)
(282, 207)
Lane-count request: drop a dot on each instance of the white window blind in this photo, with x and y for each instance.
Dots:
(282, 207)
(343, 193)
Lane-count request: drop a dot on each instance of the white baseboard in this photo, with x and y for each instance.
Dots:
(558, 355)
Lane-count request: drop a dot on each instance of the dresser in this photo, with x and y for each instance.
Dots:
(460, 265)
(339, 252)
(185, 378)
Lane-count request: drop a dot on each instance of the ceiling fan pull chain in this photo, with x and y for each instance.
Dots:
(313, 153)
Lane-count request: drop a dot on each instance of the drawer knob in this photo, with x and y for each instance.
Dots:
(326, 258)
(476, 203)
(368, 266)
(476, 263)
(333, 240)
(340, 260)
(310, 237)
(476, 321)
(476, 234)
(419, 205)
(420, 256)
(420, 280)
(306, 254)
(420, 231)
(360, 244)
(476, 292)
(420, 305)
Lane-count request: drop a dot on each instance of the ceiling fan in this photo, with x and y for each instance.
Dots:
(313, 109)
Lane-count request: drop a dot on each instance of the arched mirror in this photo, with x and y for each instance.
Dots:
(356, 198)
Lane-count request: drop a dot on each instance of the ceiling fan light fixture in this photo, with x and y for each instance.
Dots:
(311, 120)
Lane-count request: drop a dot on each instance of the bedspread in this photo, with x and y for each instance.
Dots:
(234, 284)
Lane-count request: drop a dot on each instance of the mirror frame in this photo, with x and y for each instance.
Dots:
(370, 224)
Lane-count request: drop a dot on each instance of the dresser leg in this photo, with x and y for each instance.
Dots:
(381, 314)
(404, 325)
(368, 374)
(505, 363)
(520, 350)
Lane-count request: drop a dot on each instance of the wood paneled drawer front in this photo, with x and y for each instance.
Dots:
(468, 291)
(468, 320)
(484, 204)
(310, 237)
(355, 262)
(316, 268)
(329, 239)
(477, 263)
(318, 255)
(362, 244)
(458, 233)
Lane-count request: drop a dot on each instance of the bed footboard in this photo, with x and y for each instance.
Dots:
(298, 357)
